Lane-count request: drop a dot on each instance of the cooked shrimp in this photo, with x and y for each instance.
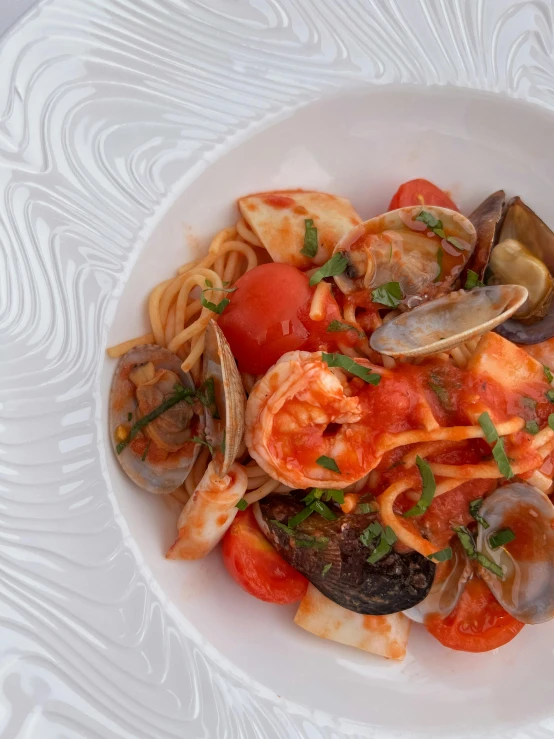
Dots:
(209, 512)
(298, 413)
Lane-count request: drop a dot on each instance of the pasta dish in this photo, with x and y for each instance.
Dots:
(360, 411)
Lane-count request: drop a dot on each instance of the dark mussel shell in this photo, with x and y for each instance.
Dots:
(394, 583)
(486, 218)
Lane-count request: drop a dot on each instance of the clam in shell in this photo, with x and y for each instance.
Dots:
(161, 455)
(225, 417)
(422, 248)
(448, 321)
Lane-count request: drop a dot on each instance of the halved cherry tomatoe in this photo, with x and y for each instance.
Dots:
(420, 192)
(256, 566)
(477, 624)
(269, 315)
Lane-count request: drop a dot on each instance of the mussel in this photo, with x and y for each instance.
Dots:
(527, 589)
(516, 246)
(394, 583)
(422, 248)
(225, 399)
(157, 455)
(448, 321)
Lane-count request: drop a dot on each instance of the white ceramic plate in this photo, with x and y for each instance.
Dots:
(127, 130)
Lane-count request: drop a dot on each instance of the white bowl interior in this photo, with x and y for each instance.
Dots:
(362, 145)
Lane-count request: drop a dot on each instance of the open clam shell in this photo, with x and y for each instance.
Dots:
(423, 248)
(158, 469)
(527, 589)
(225, 417)
(448, 321)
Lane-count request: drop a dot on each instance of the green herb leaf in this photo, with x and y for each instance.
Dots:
(284, 527)
(441, 393)
(474, 507)
(389, 294)
(179, 393)
(501, 459)
(442, 556)
(319, 507)
(326, 569)
(455, 243)
(301, 516)
(503, 536)
(389, 535)
(380, 551)
(362, 508)
(224, 289)
(348, 364)
(310, 239)
(312, 542)
(547, 373)
(551, 421)
(491, 434)
(206, 395)
(198, 440)
(370, 533)
(429, 220)
(327, 462)
(468, 543)
(532, 427)
(242, 505)
(335, 326)
(332, 494)
(146, 450)
(550, 395)
(484, 561)
(472, 280)
(440, 254)
(129, 416)
(335, 266)
(428, 490)
(215, 307)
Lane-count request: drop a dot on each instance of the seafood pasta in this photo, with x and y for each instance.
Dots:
(360, 411)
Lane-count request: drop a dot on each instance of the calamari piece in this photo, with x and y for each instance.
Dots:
(297, 414)
(385, 636)
(209, 512)
(278, 220)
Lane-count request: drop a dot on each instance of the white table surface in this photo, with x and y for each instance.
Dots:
(11, 10)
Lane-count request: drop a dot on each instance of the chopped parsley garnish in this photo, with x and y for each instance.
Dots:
(310, 239)
(468, 543)
(440, 254)
(242, 505)
(325, 494)
(474, 507)
(216, 307)
(431, 222)
(302, 540)
(550, 395)
(551, 421)
(362, 508)
(389, 294)
(327, 462)
(335, 326)
(198, 440)
(532, 427)
(370, 533)
(503, 536)
(206, 395)
(320, 507)
(326, 569)
(301, 516)
(434, 384)
(146, 450)
(129, 416)
(498, 451)
(334, 266)
(384, 547)
(348, 364)
(547, 373)
(428, 490)
(472, 280)
(179, 393)
(442, 556)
